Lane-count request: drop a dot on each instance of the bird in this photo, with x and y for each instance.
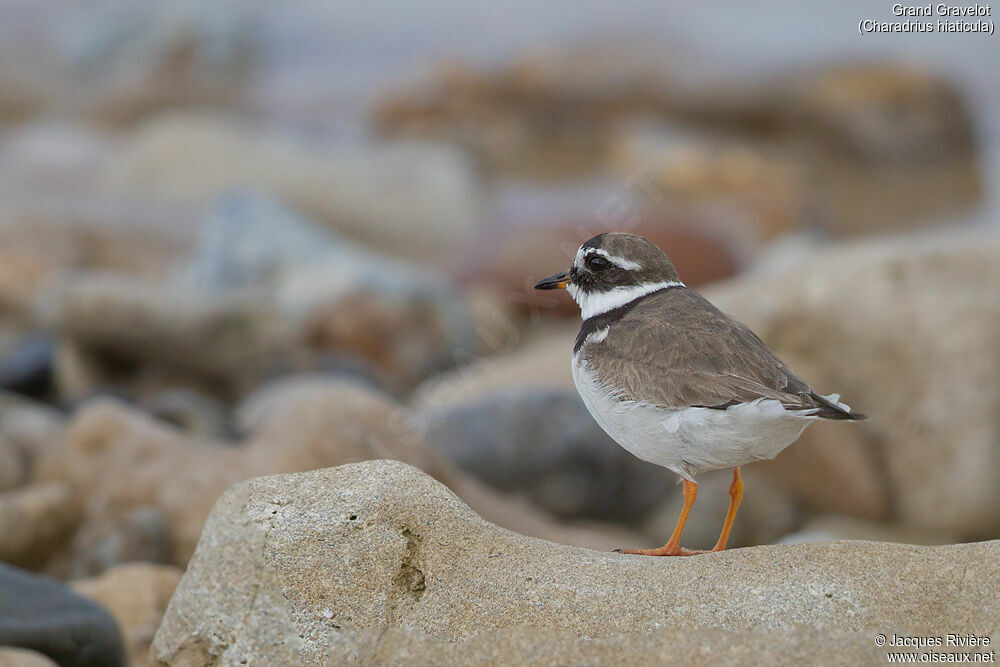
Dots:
(673, 379)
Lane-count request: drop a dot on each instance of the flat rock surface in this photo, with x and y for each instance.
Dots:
(290, 567)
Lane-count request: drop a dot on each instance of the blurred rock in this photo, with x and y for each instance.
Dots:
(411, 200)
(136, 595)
(30, 427)
(121, 327)
(52, 156)
(906, 331)
(13, 466)
(35, 521)
(26, 367)
(338, 297)
(46, 616)
(835, 527)
(771, 190)
(117, 63)
(850, 148)
(541, 362)
(191, 411)
(140, 535)
(303, 560)
(119, 460)
(16, 657)
(543, 444)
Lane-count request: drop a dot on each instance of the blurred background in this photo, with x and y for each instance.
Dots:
(248, 238)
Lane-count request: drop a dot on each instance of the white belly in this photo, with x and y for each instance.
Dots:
(691, 440)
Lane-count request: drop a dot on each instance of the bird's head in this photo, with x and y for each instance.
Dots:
(611, 270)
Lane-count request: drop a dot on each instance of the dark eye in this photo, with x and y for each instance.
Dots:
(597, 263)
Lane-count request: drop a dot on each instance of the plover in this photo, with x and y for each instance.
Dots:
(674, 380)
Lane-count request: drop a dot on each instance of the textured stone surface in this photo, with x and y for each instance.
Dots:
(527, 646)
(136, 595)
(46, 616)
(287, 564)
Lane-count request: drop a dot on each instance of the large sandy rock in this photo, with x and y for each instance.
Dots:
(906, 330)
(131, 473)
(288, 565)
(414, 200)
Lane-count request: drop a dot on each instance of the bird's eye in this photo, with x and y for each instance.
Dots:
(597, 263)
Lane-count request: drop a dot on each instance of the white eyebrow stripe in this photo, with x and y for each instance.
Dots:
(621, 262)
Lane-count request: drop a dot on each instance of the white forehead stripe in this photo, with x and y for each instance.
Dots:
(595, 303)
(621, 262)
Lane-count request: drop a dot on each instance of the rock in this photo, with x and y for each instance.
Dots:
(412, 200)
(30, 427)
(834, 527)
(338, 296)
(119, 461)
(893, 326)
(134, 60)
(529, 645)
(540, 362)
(190, 410)
(119, 324)
(137, 596)
(13, 466)
(46, 616)
(544, 444)
(36, 520)
(140, 535)
(15, 657)
(27, 366)
(289, 563)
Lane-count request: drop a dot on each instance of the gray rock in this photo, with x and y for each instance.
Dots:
(545, 445)
(141, 535)
(26, 367)
(338, 296)
(415, 200)
(190, 410)
(289, 564)
(46, 616)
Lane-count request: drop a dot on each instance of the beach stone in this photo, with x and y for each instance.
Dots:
(115, 323)
(29, 427)
(119, 460)
(410, 199)
(16, 657)
(288, 565)
(339, 297)
(46, 616)
(140, 535)
(35, 521)
(136, 594)
(546, 446)
(13, 466)
(190, 410)
(27, 366)
(904, 329)
(531, 645)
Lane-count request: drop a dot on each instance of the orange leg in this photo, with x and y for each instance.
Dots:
(673, 545)
(735, 496)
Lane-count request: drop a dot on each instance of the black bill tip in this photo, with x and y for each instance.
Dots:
(558, 281)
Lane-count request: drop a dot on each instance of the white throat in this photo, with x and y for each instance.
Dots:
(595, 303)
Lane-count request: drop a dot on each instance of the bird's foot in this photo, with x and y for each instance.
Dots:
(665, 550)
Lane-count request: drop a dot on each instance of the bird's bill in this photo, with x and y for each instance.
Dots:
(558, 281)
